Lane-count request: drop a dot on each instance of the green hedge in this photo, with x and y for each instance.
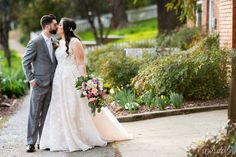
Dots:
(183, 38)
(201, 74)
(113, 66)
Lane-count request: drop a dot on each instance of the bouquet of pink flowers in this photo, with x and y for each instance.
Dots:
(93, 89)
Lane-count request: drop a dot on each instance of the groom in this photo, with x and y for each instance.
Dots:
(39, 64)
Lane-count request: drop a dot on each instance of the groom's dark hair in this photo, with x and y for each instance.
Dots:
(47, 19)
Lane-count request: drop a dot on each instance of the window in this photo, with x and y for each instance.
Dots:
(212, 18)
(199, 13)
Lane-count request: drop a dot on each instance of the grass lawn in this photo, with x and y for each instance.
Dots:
(135, 31)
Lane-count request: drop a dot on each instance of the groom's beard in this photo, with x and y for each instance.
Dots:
(53, 32)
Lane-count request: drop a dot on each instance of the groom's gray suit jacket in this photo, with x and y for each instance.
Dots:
(37, 63)
(38, 66)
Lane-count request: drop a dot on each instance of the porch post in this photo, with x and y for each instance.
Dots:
(232, 98)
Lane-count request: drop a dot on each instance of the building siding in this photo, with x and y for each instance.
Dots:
(225, 23)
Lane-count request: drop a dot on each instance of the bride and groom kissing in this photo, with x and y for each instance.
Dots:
(59, 119)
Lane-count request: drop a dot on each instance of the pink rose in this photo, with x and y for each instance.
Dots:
(89, 95)
(94, 91)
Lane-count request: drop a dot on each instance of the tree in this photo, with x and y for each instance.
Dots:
(167, 20)
(168, 11)
(92, 10)
(6, 16)
(119, 17)
(185, 8)
(31, 12)
(138, 3)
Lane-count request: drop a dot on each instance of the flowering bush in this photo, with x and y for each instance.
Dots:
(93, 89)
(199, 73)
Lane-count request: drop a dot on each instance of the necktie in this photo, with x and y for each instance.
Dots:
(49, 44)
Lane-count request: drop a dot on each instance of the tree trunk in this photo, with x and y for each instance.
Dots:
(7, 54)
(4, 36)
(94, 30)
(167, 20)
(91, 10)
(119, 17)
(100, 25)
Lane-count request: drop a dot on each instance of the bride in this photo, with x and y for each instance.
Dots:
(69, 124)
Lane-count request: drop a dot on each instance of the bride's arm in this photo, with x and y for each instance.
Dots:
(78, 51)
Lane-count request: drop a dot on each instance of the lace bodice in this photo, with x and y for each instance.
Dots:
(62, 57)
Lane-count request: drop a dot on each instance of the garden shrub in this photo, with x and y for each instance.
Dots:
(183, 38)
(113, 66)
(13, 79)
(222, 145)
(13, 84)
(118, 70)
(201, 74)
(95, 56)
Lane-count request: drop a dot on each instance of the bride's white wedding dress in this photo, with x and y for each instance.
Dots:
(69, 124)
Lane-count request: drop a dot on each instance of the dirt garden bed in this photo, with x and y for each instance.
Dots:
(118, 111)
(14, 104)
(8, 107)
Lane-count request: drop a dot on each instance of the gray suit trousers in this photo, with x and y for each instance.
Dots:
(39, 104)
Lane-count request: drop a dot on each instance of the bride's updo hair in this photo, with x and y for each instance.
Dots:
(69, 26)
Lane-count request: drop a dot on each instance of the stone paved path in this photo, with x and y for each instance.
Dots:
(170, 136)
(15, 45)
(160, 137)
(13, 137)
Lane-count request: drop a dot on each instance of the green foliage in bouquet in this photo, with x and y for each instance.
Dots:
(82, 79)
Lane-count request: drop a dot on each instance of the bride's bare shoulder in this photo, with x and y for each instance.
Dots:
(75, 40)
(75, 44)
